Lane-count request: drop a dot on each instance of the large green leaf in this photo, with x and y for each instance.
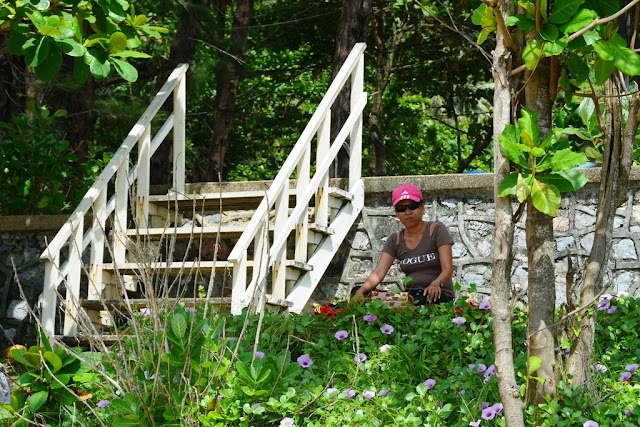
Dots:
(528, 126)
(117, 42)
(70, 47)
(578, 67)
(555, 48)
(54, 360)
(178, 325)
(509, 147)
(523, 187)
(579, 21)
(625, 59)
(476, 18)
(564, 10)
(604, 50)
(37, 400)
(549, 32)
(80, 70)
(36, 50)
(508, 185)
(522, 22)
(565, 180)
(534, 364)
(545, 197)
(130, 54)
(48, 69)
(603, 7)
(98, 63)
(563, 159)
(603, 70)
(126, 70)
(531, 53)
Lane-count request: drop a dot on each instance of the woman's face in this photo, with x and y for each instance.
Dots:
(412, 214)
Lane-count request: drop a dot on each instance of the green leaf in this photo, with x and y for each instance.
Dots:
(126, 70)
(531, 53)
(534, 364)
(70, 47)
(37, 400)
(604, 50)
(603, 70)
(563, 159)
(249, 391)
(482, 36)
(565, 180)
(98, 63)
(130, 54)
(512, 152)
(592, 153)
(537, 152)
(54, 360)
(523, 187)
(40, 4)
(555, 48)
(48, 69)
(578, 67)
(178, 325)
(508, 185)
(528, 126)
(545, 198)
(36, 51)
(576, 331)
(243, 372)
(476, 18)
(565, 343)
(603, 7)
(117, 42)
(579, 21)
(522, 22)
(564, 10)
(80, 70)
(625, 59)
(549, 32)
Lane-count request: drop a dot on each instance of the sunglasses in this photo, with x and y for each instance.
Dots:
(413, 206)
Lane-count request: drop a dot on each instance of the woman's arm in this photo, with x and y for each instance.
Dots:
(434, 290)
(374, 279)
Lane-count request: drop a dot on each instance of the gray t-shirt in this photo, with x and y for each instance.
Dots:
(422, 263)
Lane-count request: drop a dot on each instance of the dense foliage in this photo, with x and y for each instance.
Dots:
(366, 364)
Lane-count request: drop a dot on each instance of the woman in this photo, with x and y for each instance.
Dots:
(423, 249)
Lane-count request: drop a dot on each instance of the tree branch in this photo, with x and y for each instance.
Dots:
(502, 28)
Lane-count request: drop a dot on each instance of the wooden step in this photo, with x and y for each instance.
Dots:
(136, 304)
(207, 232)
(204, 267)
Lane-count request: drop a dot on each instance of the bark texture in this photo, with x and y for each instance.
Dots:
(613, 192)
(503, 242)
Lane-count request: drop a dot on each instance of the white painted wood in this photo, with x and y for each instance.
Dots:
(73, 281)
(121, 209)
(322, 196)
(144, 178)
(279, 274)
(320, 260)
(302, 227)
(49, 302)
(179, 111)
(355, 136)
(97, 246)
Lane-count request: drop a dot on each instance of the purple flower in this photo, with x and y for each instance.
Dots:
(286, 422)
(498, 408)
(491, 370)
(606, 297)
(628, 412)
(485, 305)
(103, 403)
(340, 335)
(488, 413)
(604, 305)
(625, 376)
(145, 311)
(622, 294)
(331, 390)
(600, 368)
(475, 423)
(462, 392)
(458, 320)
(219, 397)
(259, 355)
(370, 317)
(631, 368)
(590, 423)
(481, 368)
(360, 357)
(429, 383)
(256, 405)
(386, 329)
(350, 393)
(369, 394)
(483, 406)
(190, 309)
(383, 393)
(471, 367)
(385, 348)
(612, 309)
(305, 361)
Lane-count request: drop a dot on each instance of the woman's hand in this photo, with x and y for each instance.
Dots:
(433, 292)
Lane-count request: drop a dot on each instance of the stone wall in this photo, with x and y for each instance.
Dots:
(464, 203)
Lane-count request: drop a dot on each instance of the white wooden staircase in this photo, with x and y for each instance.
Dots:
(122, 241)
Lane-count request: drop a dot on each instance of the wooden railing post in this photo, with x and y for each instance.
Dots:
(144, 178)
(303, 172)
(50, 296)
(97, 246)
(120, 212)
(179, 112)
(355, 136)
(73, 279)
(279, 260)
(322, 196)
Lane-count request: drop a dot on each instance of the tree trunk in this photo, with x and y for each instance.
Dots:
(228, 80)
(503, 241)
(12, 83)
(541, 248)
(354, 23)
(614, 181)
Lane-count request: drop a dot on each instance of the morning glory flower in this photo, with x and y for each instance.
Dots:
(491, 370)
(386, 329)
(622, 294)
(370, 318)
(488, 413)
(340, 335)
(483, 405)
(430, 383)
(590, 423)
(384, 348)
(360, 357)
(471, 366)
(383, 393)
(350, 393)
(498, 408)
(631, 368)
(259, 355)
(612, 309)
(458, 320)
(369, 394)
(481, 368)
(190, 309)
(485, 305)
(600, 368)
(305, 361)
(331, 390)
(604, 305)
(627, 412)
(145, 311)
(475, 423)
(625, 376)
(286, 422)
(103, 403)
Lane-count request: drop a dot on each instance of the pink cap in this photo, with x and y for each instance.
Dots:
(406, 192)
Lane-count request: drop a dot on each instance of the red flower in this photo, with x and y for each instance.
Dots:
(327, 310)
(471, 303)
(457, 309)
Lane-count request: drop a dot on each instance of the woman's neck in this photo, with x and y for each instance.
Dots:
(417, 229)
